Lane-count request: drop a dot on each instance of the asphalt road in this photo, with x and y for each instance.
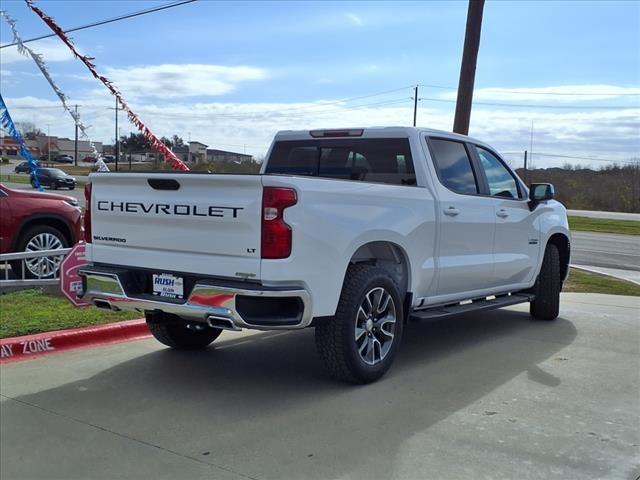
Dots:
(477, 396)
(78, 193)
(606, 250)
(608, 215)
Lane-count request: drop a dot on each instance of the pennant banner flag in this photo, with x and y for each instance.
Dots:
(10, 127)
(39, 60)
(155, 142)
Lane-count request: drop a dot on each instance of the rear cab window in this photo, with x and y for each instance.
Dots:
(376, 160)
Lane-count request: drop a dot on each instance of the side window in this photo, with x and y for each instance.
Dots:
(501, 182)
(454, 166)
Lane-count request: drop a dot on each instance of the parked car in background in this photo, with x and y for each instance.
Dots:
(89, 159)
(33, 221)
(53, 178)
(63, 159)
(24, 167)
(109, 158)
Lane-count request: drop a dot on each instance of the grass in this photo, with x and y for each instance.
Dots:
(585, 282)
(26, 180)
(32, 311)
(604, 225)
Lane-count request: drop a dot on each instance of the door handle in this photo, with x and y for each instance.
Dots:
(502, 213)
(451, 211)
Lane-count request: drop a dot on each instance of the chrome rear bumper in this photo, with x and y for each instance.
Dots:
(207, 303)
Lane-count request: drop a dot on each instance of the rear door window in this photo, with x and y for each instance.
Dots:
(367, 160)
(454, 166)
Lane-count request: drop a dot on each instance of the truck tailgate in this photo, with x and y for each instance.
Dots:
(197, 223)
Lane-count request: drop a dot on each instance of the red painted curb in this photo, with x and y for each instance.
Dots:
(30, 346)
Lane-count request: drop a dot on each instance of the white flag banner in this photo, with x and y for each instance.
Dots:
(39, 60)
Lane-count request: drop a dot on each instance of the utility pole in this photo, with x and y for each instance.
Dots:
(189, 149)
(526, 180)
(75, 149)
(468, 67)
(117, 144)
(49, 142)
(415, 105)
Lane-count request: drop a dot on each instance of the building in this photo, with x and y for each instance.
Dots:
(66, 146)
(41, 145)
(196, 152)
(9, 148)
(214, 155)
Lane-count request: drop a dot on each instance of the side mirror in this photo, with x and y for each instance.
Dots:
(539, 192)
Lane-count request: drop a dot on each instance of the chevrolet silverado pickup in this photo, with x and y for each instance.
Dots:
(353, 232)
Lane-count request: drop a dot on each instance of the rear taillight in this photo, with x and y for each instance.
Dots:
(87, 213)
(276, 234)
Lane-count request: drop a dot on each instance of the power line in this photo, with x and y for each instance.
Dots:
(532, 92)
(303, 108)
(524, 105)
(110, 20)
(272, 112)
(557, 155)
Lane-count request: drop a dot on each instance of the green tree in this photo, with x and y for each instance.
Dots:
(174, 141)
(135, 142)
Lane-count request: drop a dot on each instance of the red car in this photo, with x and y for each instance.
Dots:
(33, 221)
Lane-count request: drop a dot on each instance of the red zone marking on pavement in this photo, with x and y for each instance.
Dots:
(30, 346)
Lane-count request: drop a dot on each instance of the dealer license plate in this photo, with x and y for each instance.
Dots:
(167, 285)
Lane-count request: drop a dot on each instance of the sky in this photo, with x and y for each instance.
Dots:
(563, 77)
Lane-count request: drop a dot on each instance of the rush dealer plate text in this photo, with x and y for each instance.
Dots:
(167, 285)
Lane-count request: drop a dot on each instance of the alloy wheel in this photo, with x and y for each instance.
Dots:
(375, 325)
(43, 267)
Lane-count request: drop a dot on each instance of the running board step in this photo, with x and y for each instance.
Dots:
(436, 313)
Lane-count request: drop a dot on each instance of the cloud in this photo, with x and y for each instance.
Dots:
(559, 94)
(354, 19)
(610, 134)
(52, 50)
(176, 80)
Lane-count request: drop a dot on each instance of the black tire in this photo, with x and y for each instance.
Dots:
(23, 241)
(336, 338)
(546, 305)
(173, 332)
(33, 184)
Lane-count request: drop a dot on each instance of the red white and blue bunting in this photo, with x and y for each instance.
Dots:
(10, 127)
(42, 66)
(155, 142)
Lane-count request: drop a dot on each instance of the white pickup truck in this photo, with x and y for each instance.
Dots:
(353, 232)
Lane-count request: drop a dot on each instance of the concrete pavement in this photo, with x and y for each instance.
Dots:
(492, 395)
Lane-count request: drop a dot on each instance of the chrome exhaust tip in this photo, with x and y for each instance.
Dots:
(103, 304)
(223, 323)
